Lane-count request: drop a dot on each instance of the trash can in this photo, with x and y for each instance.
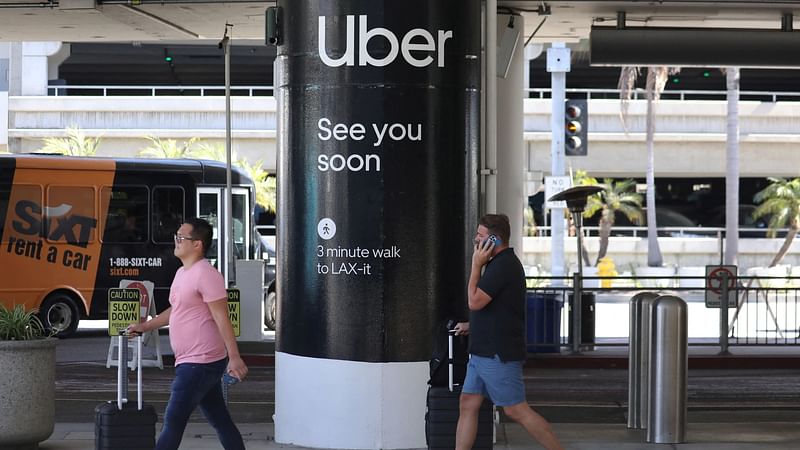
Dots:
(543, 325)
(587, 319)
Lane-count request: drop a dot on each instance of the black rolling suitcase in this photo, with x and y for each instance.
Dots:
(121, 424)
(441, 419)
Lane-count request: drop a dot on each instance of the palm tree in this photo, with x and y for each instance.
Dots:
(207, 150)
(732, 168)
(529, 229)
(265, 185)
(657, 77)
(580, 178)
(168, 148)
(616, 197)
(781, 202)
(75, 144)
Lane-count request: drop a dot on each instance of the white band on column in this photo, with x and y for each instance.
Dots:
(326, 403)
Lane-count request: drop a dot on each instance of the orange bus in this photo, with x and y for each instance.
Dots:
(71, 228)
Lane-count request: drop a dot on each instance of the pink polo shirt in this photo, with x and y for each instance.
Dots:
(193, 333)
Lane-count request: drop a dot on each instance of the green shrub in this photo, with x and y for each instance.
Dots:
(20, 325)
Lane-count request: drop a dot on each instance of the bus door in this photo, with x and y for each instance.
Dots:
(211, 207)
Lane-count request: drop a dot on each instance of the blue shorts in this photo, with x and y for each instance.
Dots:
(499, 381)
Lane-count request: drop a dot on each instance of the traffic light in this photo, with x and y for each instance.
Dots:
(576, 121)
(168, 57)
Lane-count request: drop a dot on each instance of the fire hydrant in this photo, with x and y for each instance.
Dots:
(606, 268)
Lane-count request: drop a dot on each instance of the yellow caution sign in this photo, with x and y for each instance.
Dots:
(123, 309)
(233, 310)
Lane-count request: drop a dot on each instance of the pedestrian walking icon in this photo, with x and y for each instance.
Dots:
(326, 228)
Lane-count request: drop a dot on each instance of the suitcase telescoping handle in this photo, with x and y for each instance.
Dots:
(450, 334)
(122, 370)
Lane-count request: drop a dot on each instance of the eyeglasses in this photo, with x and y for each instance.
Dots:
(178, 238)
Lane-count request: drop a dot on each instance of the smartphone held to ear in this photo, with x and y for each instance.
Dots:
(494, 239)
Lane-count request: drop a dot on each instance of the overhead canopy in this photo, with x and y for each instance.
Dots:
(704, 47)
(182, 20)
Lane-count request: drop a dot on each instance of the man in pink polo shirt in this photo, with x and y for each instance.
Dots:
(202, 339)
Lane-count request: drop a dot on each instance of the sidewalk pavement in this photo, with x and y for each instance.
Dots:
(700, 436)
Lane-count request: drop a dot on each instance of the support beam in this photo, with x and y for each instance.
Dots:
(700, 47)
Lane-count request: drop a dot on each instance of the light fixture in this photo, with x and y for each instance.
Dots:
(695, 47)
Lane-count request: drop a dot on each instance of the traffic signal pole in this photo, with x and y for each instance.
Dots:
(558, 64)
(227, 222)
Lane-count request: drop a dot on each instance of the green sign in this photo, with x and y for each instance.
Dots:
(123, 309)
(233, 310)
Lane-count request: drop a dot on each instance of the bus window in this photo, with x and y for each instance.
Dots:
(168, 212)
(208, 207)
(241, 236)
(126, 220)
(73, 205)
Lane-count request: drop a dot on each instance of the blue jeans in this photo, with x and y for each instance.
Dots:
(198, 384)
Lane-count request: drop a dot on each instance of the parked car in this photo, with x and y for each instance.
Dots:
(716, 218)
(267, 253)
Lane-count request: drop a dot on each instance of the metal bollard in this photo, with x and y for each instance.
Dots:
(645, 352)
(635, 357)
(577, 308)
(668, 372)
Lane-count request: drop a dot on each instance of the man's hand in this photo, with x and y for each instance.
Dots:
(237, 367)
(155, 323)
(135, 329)
(219, 312)
(482, 254)
(461, 328)
(477, 299)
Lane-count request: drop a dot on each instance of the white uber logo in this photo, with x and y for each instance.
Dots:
(416, 40)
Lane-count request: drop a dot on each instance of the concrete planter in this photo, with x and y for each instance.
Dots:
(27, 392)
(768, 272)
(590, 271)
(660, 283)
(691, 283)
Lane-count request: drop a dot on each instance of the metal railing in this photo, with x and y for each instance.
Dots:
(766, 314)
(266, 230)
(154, 91)
(543, 93)
(677, 232)
(544, 231)
(767, 310)
(641, 94)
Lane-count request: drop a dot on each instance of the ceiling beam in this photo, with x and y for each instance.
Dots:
(700, 47)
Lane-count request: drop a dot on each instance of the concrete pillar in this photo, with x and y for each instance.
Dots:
(5, 54)
(378, 141)
(511, 158)
(28, 71)
(488, 204)
(532, 51)
(30, 67)
(55, 60)
(14, 68)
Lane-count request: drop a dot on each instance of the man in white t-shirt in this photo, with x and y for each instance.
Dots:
(202, 339)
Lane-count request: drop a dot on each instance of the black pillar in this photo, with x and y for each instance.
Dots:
(377, 185)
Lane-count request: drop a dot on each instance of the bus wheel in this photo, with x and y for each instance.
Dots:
(59, 315)
(270, 309)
